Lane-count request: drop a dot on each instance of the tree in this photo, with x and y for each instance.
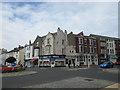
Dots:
(10, 60)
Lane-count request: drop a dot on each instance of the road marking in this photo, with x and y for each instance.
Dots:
(115, 86)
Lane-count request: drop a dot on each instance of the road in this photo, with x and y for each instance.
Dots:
(48, 75)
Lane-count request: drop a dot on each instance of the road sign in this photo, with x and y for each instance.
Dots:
(13, 64)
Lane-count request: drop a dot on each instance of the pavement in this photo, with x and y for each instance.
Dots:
(20, 73)
(76, 82)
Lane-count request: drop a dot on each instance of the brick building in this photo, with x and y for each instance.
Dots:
(86, 48)
(108, 48)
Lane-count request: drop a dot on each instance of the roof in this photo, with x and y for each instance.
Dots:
(104, 36)
(54, 34)
(16, 49)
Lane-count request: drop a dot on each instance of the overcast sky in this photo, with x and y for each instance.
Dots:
(22, 22)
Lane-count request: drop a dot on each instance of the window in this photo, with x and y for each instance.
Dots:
(92, 50)
(85, 41)
(16, 56)
(80, 41)
(107, 45)
(90, 41)
(28, 55)
(107, 50)
(28, 48)
(62, 42)
(80, 48)
(102, 43)
(62, 50)
(37, 44)
(48, 41)
(86, 49)
(95, 50)
(112, 44)
(36, 52)
(103, 51)
(94, 42)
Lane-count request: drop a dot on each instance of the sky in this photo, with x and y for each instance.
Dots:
(23, 21)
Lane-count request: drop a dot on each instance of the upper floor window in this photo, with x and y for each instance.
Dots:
(28, 47)
(37, 44)
(62, 42)
(90, 41)
(94, 42)
(48, 41)
(80, 40)
(102, 43)
(85, 41)
(28, 55)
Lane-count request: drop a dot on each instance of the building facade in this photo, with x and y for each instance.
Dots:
(3, 56)
(117, 49)
(53, 49)
(29, 54)
(106, 48)
(71, 55)
(86, 47)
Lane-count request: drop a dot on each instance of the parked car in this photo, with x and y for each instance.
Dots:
(117, 63)
(108, 64)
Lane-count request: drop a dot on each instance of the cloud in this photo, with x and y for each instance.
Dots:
(24, 21)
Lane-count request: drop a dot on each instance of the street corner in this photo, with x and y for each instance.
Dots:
(21, 73)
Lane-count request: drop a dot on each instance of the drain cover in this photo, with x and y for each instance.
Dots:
(88, 79)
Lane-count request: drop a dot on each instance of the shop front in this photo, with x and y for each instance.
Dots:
(71, 60)
(51, 60)
(113, 58)
(31, 63)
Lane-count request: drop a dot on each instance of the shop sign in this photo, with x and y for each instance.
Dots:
(70, 57)
(113, 56)
(52, 56)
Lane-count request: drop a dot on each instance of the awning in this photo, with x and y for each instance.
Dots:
(33, 59)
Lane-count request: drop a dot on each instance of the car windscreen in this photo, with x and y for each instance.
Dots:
(105, 63)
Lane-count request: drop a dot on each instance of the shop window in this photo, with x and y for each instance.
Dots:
(66, 61)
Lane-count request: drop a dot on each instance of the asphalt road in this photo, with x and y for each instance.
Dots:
(47, 75)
